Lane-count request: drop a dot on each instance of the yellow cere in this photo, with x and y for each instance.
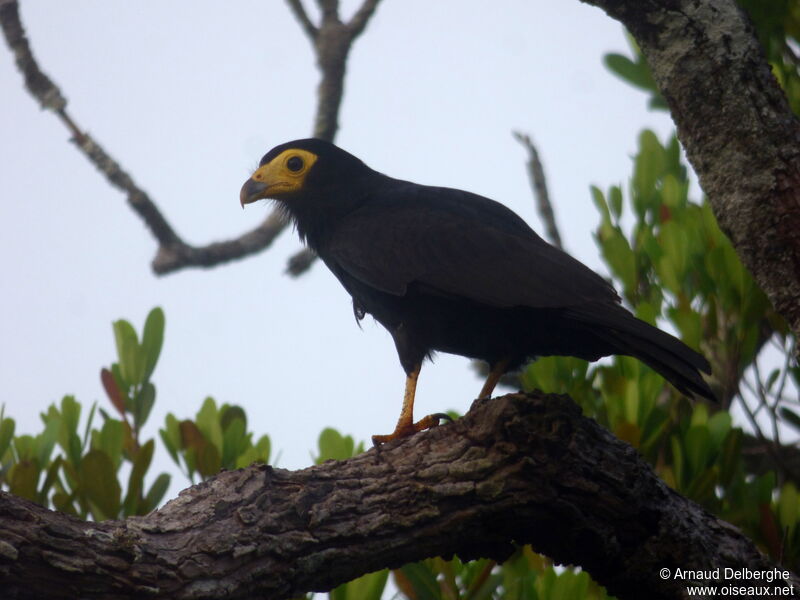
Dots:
(286, 172)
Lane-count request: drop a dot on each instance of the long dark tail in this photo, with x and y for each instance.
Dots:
(666, 354)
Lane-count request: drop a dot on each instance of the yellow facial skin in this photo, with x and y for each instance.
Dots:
(282, 176)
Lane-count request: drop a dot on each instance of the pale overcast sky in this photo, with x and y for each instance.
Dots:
(188, 96)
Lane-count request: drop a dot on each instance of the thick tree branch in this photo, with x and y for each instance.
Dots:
(516, 469)
(737, 128)
(332, 42)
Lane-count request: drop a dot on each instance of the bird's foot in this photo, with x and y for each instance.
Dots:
(404, 430)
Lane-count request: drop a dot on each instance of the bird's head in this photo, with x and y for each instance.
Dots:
(300, 169)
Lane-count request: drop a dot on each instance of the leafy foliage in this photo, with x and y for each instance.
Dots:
(216, 439)
(84, 478)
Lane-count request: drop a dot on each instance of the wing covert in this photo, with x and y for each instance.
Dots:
(431, 237)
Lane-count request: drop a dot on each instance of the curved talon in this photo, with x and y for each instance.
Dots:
(442, 416)
(407, 430)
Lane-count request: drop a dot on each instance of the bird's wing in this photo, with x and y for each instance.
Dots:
(457, 244)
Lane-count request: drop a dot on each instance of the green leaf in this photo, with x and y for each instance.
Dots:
(648, 167)
(23, 478)
(110, 440)
(730, 457)
(788, 506)
(620, 257)
(88, 429)
(719, 425)
(788, 415)
(697, 443)
(70, 413)
(74, 449)
(633, 73)
(208, 422)
(701, 488)
(689, 323)
(49, 480)
(46, 440)
(366, 587)
(99, 484)
(672, 266)
(677, 461)
(764, 486)
(131, 358)
(771, 379)
(141, 463)
(699, 415)
(144, 404)
(615, 200)
(333, 445)
(234, 443)
(229, 413)
(156, 493)
(673, 193)
(7, 427)
(171, 436)
(152, 340)
(113, 391)
(422, 580)
(25, 447)
(208, 460)
(263, 448)
(600, 202)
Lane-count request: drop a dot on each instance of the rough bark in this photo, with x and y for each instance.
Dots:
(735, 123)
(517, 469)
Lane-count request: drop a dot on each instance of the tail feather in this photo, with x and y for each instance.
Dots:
(666, 354)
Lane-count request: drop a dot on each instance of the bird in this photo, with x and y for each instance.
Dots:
(446, 270)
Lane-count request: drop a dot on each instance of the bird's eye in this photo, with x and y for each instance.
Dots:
(295, 163)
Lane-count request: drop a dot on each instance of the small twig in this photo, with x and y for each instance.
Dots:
(362, 16)
(788, 354)
(300, 261)
(302, 16)
(773, 449)
(751, 416)
(790, 54)
(539, 184)
(763, 400)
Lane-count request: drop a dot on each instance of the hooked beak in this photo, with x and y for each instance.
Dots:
(251, 191)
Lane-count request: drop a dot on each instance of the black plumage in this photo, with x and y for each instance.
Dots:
(446, 270)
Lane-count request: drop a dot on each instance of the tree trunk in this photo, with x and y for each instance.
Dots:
(519, 469)
(737, 128)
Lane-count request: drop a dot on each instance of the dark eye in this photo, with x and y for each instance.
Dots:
(295, 163)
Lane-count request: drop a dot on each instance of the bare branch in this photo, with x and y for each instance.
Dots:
(539, 185)
(179, 256)
(302, 16)
(300, 262)
(332, 46)
(330, 9)
(516, 469)
(362, 16)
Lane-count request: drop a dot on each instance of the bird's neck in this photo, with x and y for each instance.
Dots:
(315, 216)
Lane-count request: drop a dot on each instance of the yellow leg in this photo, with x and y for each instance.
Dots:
(405, 424)
(497, 371)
